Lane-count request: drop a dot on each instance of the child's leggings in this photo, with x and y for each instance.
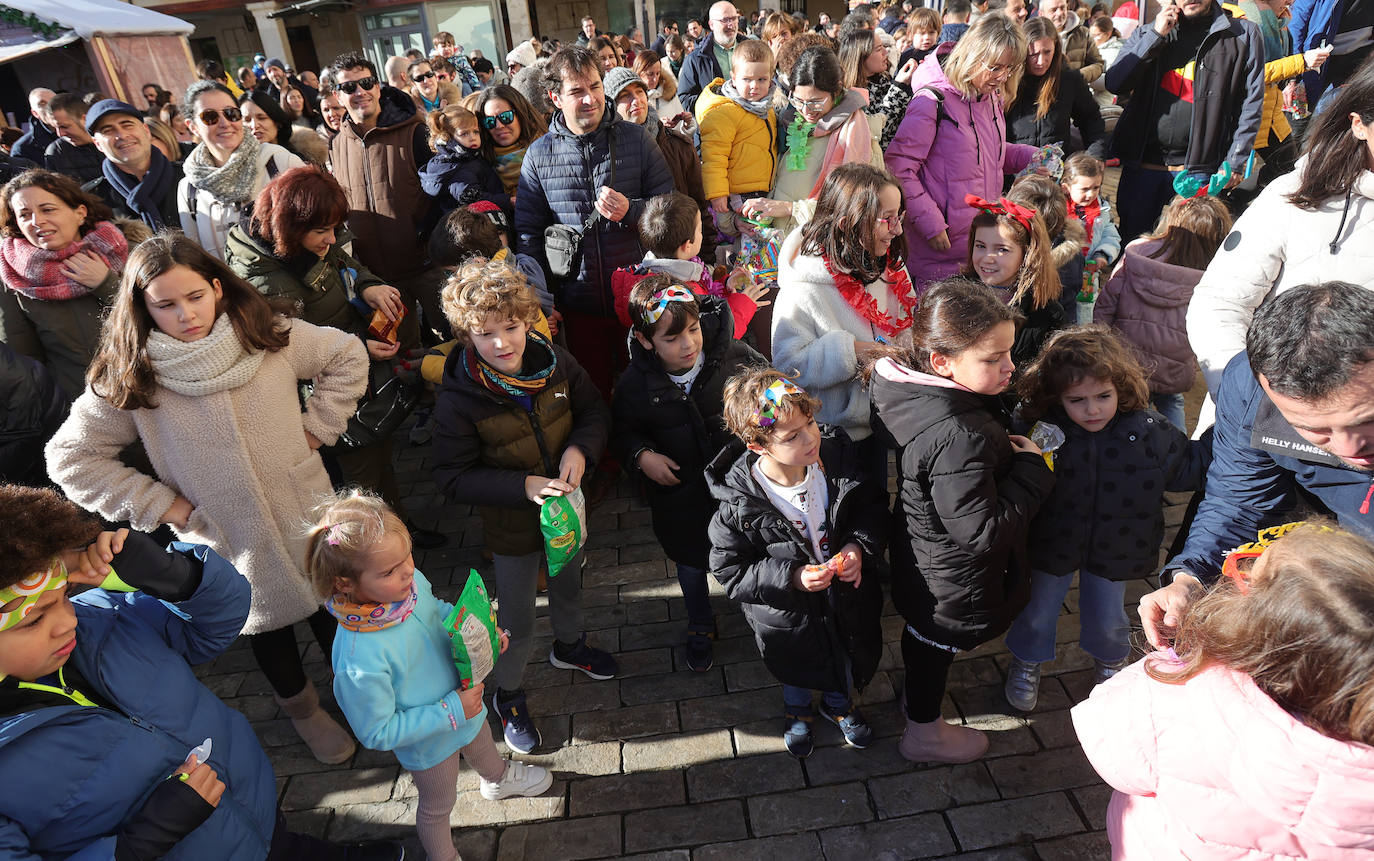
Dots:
(438, 790)
(516, 580)
(927, 670)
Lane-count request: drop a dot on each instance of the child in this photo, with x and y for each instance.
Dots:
(924, 28)
(101, 704)
(1082, 184)
(394, 675)
(1009, 251)
(458, 174)
(967, 492)
(1147, 297)
(668, 425)
(739, 148)
(517, 420)
(1067, 235)
(795, 539)
(479, 230)
(1254, 736)
(1104, 518)
(198, 366)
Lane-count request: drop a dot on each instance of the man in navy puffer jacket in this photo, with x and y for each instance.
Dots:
(568, 175)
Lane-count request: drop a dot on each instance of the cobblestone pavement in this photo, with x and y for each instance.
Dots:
(665, 763)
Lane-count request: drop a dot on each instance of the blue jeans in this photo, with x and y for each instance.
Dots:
(798, 700)
(1105, 631)
(1171, 407)
(696, 594)
(1143, 193)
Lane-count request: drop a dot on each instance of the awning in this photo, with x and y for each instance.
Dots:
(311, 6)
(88, 18)
(18, 40)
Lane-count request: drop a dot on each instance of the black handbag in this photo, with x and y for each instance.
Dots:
(389, 399)
(563, 242)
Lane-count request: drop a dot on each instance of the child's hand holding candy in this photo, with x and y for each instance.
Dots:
(850, 564)
(814, 578)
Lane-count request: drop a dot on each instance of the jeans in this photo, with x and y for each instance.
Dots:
(516, 580)
(1143, 193)
(798, 700)
(696, 594)
(1171, 407)
(1104, 629)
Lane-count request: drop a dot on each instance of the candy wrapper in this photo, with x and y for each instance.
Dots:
(1048, 161)
(759, 254)
(474, 639)
(383, 328)
(1048, 438)
(563, 521)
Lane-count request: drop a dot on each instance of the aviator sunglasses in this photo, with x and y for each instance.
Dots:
(210, 116)
(506, 118)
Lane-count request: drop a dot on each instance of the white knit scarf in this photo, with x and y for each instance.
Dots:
(215, 363)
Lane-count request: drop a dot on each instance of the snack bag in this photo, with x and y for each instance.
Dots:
(474, 638)
(1047, 161)
(1048, 438)
(383, 328)
(563, 521)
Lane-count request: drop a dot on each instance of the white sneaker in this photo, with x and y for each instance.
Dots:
(519, 779)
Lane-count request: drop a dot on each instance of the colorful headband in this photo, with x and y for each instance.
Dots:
(1010, 209)
(1230, 566)
(767, 414)
(30, 589)
(661, 298)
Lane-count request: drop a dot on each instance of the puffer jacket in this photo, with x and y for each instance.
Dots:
(1105, 514)
(739, 150)
(965, 501)
(652, 412)
(699, 68)
(485, 445)
(559, 182)
(1147, 301)
(32, 408)
(1074, 103)
(81, 163)
(457, 176)
(945, 148)
(807, 639)
(1080, 51)
(1215, 768)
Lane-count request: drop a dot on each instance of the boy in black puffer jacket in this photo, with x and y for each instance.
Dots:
(668, 425)
(796, 538)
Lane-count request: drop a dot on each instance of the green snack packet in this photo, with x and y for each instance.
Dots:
(473, 636)
(563, 520)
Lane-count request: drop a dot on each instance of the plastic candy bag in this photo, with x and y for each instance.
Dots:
(1047, 161)
(1048, 438)
(563, 521)
(474, 639)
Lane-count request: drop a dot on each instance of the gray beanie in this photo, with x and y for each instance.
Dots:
(617, 80)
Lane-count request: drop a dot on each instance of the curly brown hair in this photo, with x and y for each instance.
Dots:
(742, 396)
(37, 525)
(1076, 354)
(63, 187)
(482, 287)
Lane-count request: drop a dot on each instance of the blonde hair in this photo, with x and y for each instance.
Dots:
(347, 527)
(984, 43)
(482, 287)
(444, 124)
(742, 395)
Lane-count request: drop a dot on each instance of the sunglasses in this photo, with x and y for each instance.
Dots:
(417, 78)
(351, 87)
(506, 118)
(211, 116)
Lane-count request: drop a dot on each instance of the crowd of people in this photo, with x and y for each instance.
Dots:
(746, 263)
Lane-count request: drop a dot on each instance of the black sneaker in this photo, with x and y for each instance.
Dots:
(580, 656)
(856, 730)
(797, 735)
(375, 850)
(516, 725)
(699, 649)
(425, 539)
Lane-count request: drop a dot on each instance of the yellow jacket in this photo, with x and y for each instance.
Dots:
(1276, 72)
(738, 149)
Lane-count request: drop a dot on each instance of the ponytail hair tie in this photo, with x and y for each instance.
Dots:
(1023, 215)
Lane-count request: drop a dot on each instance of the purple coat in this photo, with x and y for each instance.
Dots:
(1147, 301)
(968, 154)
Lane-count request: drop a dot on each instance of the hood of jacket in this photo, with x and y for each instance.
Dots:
(396, 107)
(1159, 283)
(931, 71)
(910, 401)
(448, 156)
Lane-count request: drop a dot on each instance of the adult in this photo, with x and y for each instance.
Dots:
(1080, 49)
(333, 112)
(1310, 225)
(694, 29)
(278, 79)
(430, 93)
(150, 93)
(213, 70)
(606, 53)
(520, 57)
(661, 84)
(667, 28)
(226, 170)
(265, 120)
(298, 110)
(592, 172)
(778, 29)
(395, 69)
(137, 179)
(1292, 415)
(953, 141)
(1345, 26)
(1053, 96)
(1108, 41)
(509, 124)
(34, 142)
(1195, 82)
(711, 57)
(488, 74)
(377, 158)
(589, 32)
(73, 153)
(865, 63)
(675, 51)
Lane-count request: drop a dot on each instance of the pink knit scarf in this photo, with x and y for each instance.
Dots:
(37, 273)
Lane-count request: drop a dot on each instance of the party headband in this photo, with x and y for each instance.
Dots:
(767, 414)
(1012, 210)
(661, 298)
(30, 589)
(1254, 549)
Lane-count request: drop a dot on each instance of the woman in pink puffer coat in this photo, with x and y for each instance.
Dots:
(1255, 741)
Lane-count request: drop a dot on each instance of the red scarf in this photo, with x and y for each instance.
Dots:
(856, 294)
(37, 273)
(1088, 215)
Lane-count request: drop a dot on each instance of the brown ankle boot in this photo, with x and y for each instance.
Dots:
(328, 742)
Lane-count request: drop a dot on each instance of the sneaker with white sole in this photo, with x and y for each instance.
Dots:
(521, 734)
(857, 733)
(519, 779)
(594, 662)
(1023, 684)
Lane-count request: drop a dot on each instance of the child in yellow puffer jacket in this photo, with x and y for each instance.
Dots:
(738, 133)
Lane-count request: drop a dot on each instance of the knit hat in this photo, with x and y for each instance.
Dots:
(523, 54)
(618, 79)
(274, 62)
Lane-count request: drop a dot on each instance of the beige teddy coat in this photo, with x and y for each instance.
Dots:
(240, 456)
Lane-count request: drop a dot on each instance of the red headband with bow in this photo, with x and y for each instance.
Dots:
(1015, 211)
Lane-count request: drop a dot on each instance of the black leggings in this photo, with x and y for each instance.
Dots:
(927, 670)
(279, 657)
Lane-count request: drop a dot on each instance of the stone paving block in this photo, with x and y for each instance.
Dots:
(618, 793)
(622, 537)
(666, 855)
(729, 709)
(296, 759)
(791, 846)
(678, 750)
(336, 788)
(629, 722)
(472, 809)
(573, 699)
(732, 650)
(224, 685)
(554, 730)
(668, 827)
(805, 809)
(750, 775)
(619, 575)
(564, 840)
(931, 789)
(980, 671)
(610, 616)
(312, 822)
(632, 519)
(641, 662)
(748, 676)
(666, 633)
(256, 707)
(650, 590)
(474, 844)
(1044, 771)
(1016, 741)
(1080, 847)
(1092, 800)
(600, 596)
(879, 690)
(645, 612)
(761, 736)
(578, 759)
(1001, 853)
(386, 819)
(640, 553)
(671, 687)
(1016, 821)
(912, 837)
(838, 762)
(1053, 728)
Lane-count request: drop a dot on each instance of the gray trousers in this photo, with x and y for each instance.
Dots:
(516, 581)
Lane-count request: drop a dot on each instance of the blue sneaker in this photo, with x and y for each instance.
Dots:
(797, 734)
(856, 730)
(521, 735)
(580, 656)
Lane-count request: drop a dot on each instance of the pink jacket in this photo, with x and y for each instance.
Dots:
(967, 154)
(1147, 301)
(1215, 769)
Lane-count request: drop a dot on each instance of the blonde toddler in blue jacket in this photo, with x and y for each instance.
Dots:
(394, 675)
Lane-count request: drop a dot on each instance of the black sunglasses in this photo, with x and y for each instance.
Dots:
(506, 118)
(211, 116)
(351, 87)
(425, 77)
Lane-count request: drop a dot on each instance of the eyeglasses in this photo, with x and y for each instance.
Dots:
(893, 223)
(210, 116)
(506, 118)
(809, 104)
(998, 69)
(418, 78)
(729, 22)
(351, 87)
